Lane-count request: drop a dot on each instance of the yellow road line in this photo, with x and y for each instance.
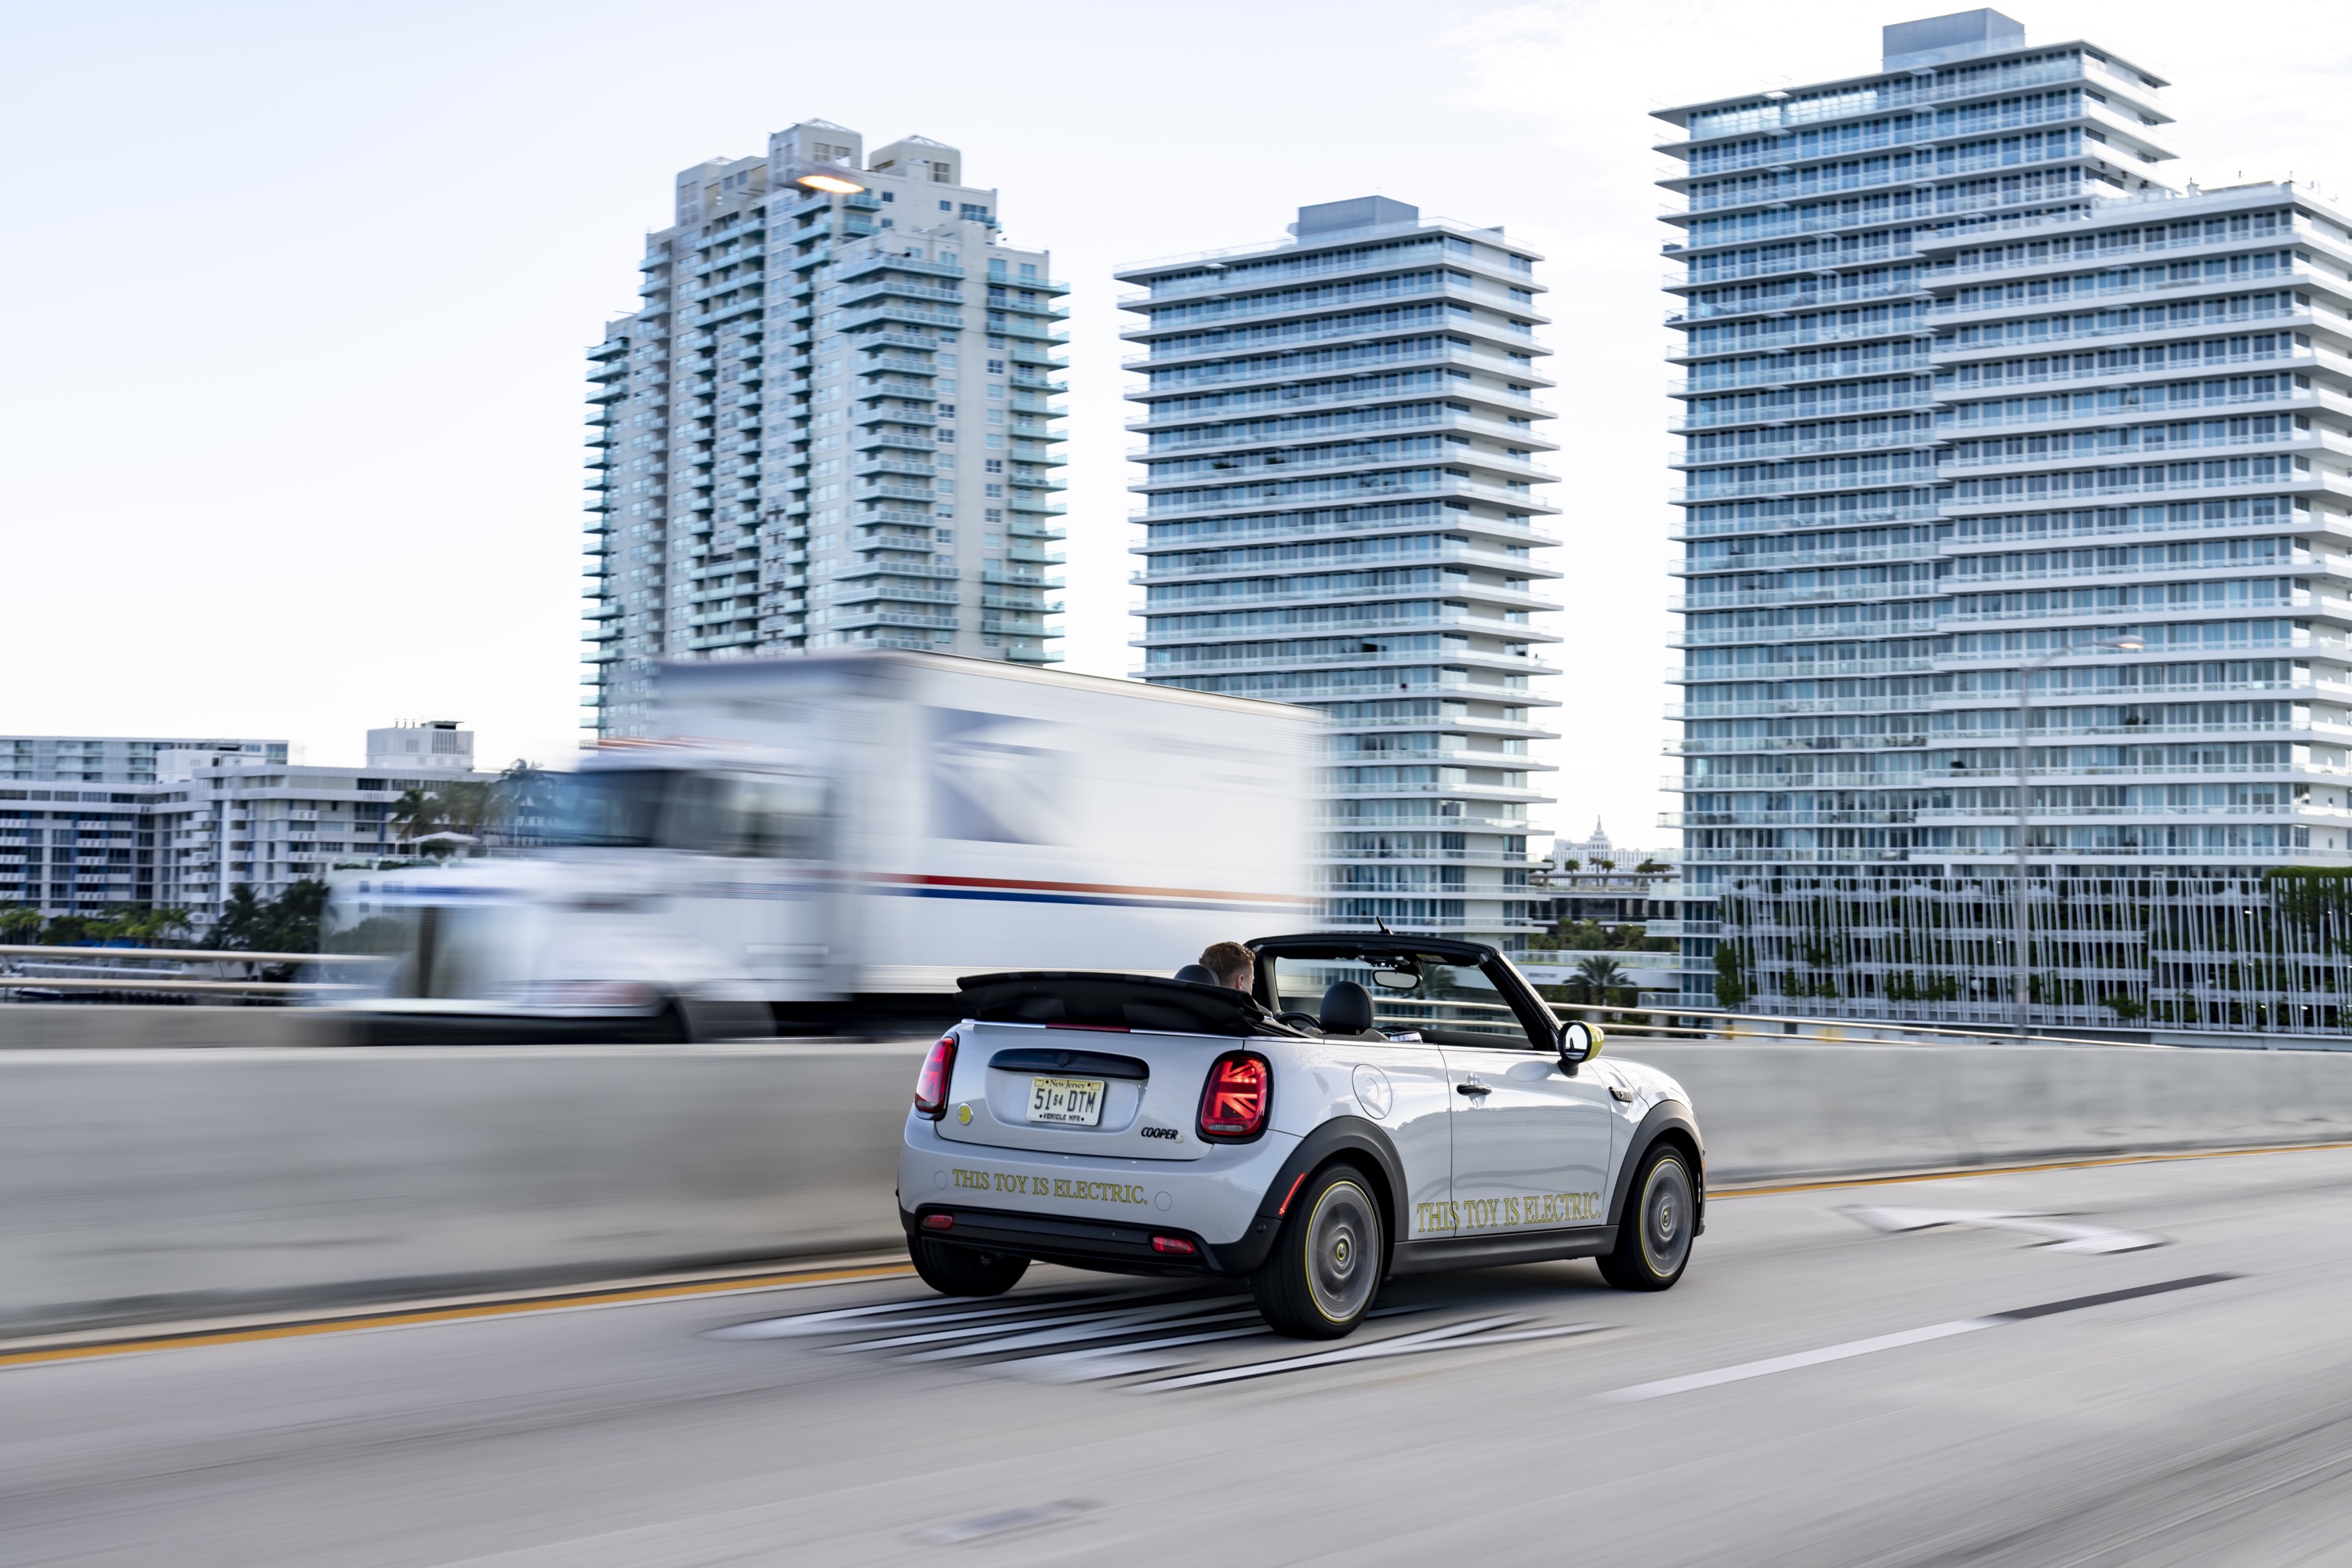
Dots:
(734, 1284)
(1830, 1182)
(398, 1319)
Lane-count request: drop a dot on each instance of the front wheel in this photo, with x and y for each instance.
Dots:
(1654, 1240)
(1318, 1282)
(962, 1271)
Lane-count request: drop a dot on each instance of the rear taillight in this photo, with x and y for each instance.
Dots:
(931, 1083)
(1174, 1246)
(1234, 1100)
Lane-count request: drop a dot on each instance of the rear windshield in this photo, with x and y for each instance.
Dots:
(1442, 999)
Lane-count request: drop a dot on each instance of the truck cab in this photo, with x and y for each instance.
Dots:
(682, 892)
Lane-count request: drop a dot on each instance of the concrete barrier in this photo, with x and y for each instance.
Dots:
(1793, 1111)
(139, 1184)
(69, 1026)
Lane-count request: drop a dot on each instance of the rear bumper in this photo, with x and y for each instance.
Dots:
(1120, 1246)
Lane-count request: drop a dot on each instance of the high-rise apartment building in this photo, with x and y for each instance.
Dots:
(1341, 512)
(829, 424)
(1997, 448)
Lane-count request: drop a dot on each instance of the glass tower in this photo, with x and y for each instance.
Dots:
(1341, 512)
(1996, 448)
(831, 423)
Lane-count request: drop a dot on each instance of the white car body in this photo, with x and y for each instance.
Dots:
(1488, 1145)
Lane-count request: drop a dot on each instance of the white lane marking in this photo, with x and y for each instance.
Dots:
(1453, 1336)
(2058, 1235)
(1765, 1368)
(1069, 1333)
(1908, 1337)
(845, 1319)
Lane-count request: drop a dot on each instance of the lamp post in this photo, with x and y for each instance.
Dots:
(2023, 933)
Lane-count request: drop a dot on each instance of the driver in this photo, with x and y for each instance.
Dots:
(1235, 965)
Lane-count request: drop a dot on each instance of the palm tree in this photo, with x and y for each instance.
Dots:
(1602, 974)
(468, 806)
(417, 813)
(526, 793)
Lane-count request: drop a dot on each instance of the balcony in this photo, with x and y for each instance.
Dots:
(1694, 418)
(906, 264)
(852, 298)
(1827, 290)
(885, 591)
(907, 314)
(1368, 488)
(1898, 479)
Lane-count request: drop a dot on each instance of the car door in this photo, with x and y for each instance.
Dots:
(1401, 1084)
(1531, 1144)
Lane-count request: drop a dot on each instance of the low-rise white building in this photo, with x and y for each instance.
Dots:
(183, 823)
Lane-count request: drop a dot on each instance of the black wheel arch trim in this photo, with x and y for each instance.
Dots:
(1341, 1135)
(1664, 1115)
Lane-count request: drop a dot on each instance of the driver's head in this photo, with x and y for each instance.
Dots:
(1234, 965)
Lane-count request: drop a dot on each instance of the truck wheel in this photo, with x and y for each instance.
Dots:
(1654, 1239)
(1319, 1279)
(962, 1271)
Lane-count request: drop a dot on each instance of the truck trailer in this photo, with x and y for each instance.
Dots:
(837, 838)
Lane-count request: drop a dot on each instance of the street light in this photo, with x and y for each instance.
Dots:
(833, 184)
(2023, 934)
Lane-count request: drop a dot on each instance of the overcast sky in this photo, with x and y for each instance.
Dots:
(291, 417)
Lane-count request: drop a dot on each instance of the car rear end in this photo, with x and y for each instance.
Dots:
(1131, 1149)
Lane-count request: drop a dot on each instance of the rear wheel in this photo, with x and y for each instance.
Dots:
(1654, 1239)
(962, 1270)
(1319, 1279)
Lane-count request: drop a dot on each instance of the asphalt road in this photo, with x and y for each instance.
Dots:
(2157, 1370)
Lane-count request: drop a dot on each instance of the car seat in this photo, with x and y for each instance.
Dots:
(1347, 1012)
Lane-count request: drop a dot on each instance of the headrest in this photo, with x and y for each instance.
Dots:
(1198, 974)
(1347, 1009)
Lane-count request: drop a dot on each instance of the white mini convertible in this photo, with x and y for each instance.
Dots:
(1378, 1106)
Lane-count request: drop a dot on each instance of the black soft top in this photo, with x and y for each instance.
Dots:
(1092, 1000)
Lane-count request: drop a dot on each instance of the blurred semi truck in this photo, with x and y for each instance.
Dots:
(838, 837)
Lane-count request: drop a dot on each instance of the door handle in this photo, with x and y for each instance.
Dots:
(1472, 1087)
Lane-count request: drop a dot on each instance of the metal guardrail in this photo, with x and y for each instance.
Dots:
(1999, 1033)
(185, 954)
(1650, 1031)
(167, 981)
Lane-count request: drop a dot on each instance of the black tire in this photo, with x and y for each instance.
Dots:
(1654, 1239)
(1319, 1280)
(963, 1270)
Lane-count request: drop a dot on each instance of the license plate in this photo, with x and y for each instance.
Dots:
(1072, 1102)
